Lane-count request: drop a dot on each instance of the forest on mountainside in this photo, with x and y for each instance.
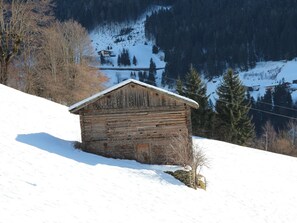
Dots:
(218, 34)
(92, 13)
(211, 35)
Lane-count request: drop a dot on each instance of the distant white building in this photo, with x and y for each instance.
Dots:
(106, 53)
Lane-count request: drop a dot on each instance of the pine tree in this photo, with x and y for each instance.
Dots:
(155, 49)
(232, 109)
(134, 61)
(179, 86)
(133, 75)
(152, 73)
(119, 60)
(140, 76)
(282, 105)
(195, 89)
(265, 104)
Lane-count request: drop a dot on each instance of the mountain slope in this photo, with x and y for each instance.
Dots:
(44, 179)
(263, 75)
(131, 36)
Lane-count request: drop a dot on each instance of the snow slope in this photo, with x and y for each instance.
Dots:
(265, 74)
(105, 36)
(44, 179)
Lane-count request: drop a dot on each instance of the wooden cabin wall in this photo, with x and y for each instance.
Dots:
(135, 123)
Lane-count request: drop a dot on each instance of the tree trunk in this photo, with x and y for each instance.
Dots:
(3, 73)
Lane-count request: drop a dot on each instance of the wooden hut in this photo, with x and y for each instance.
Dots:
(134, 120)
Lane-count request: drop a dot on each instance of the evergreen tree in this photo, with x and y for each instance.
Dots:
(119, 60)
(195, 89)
(134, 61)
(140, 76)
(164, 78)
(155, 49)
(124, 58)
(102, 59)
(282, 105)
(265, 104)
(152, 73)
(234, 124)
(179, 86)
(133, 75)
(255, 115)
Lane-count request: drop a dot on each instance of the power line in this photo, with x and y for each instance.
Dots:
(255, 109)
(295, 110)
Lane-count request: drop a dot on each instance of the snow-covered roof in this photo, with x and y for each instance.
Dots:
(79, 105)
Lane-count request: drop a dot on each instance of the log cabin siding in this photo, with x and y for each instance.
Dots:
(134, 122)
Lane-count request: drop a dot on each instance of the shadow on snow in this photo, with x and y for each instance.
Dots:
(52, 144)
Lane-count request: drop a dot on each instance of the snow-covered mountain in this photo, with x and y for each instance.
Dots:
(44, 179)
(132, 37)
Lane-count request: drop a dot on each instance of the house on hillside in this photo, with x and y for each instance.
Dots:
(134, 120)
(106, 53)
(252, 88)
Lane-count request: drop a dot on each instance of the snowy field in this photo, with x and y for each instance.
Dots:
(44, 179)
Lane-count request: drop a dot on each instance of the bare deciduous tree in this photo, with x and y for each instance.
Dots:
(178, 152)
(269, 137)
(199, 159)
(64, 63)
(19, 22)
(292, 132)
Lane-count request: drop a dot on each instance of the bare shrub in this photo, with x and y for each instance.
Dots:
(283, 146)
(283, 142)
(292, 133)
(268, 139)
(199, 158)
(182, 154)
(179, 151)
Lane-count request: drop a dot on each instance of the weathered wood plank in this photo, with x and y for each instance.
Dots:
(134, 120)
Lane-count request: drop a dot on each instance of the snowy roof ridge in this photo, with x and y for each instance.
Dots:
(77, 106)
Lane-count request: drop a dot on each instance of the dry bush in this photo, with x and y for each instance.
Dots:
(283, 146)
(283, 142)
(292, 132)
(184, 155)
(179, 151)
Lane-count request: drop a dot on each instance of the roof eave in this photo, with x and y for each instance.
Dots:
(81, 104)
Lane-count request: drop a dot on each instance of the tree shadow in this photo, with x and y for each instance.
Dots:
(64, 148)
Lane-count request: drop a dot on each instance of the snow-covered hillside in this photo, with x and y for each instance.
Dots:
(44, 179)
(131, 36)
(265, 74)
